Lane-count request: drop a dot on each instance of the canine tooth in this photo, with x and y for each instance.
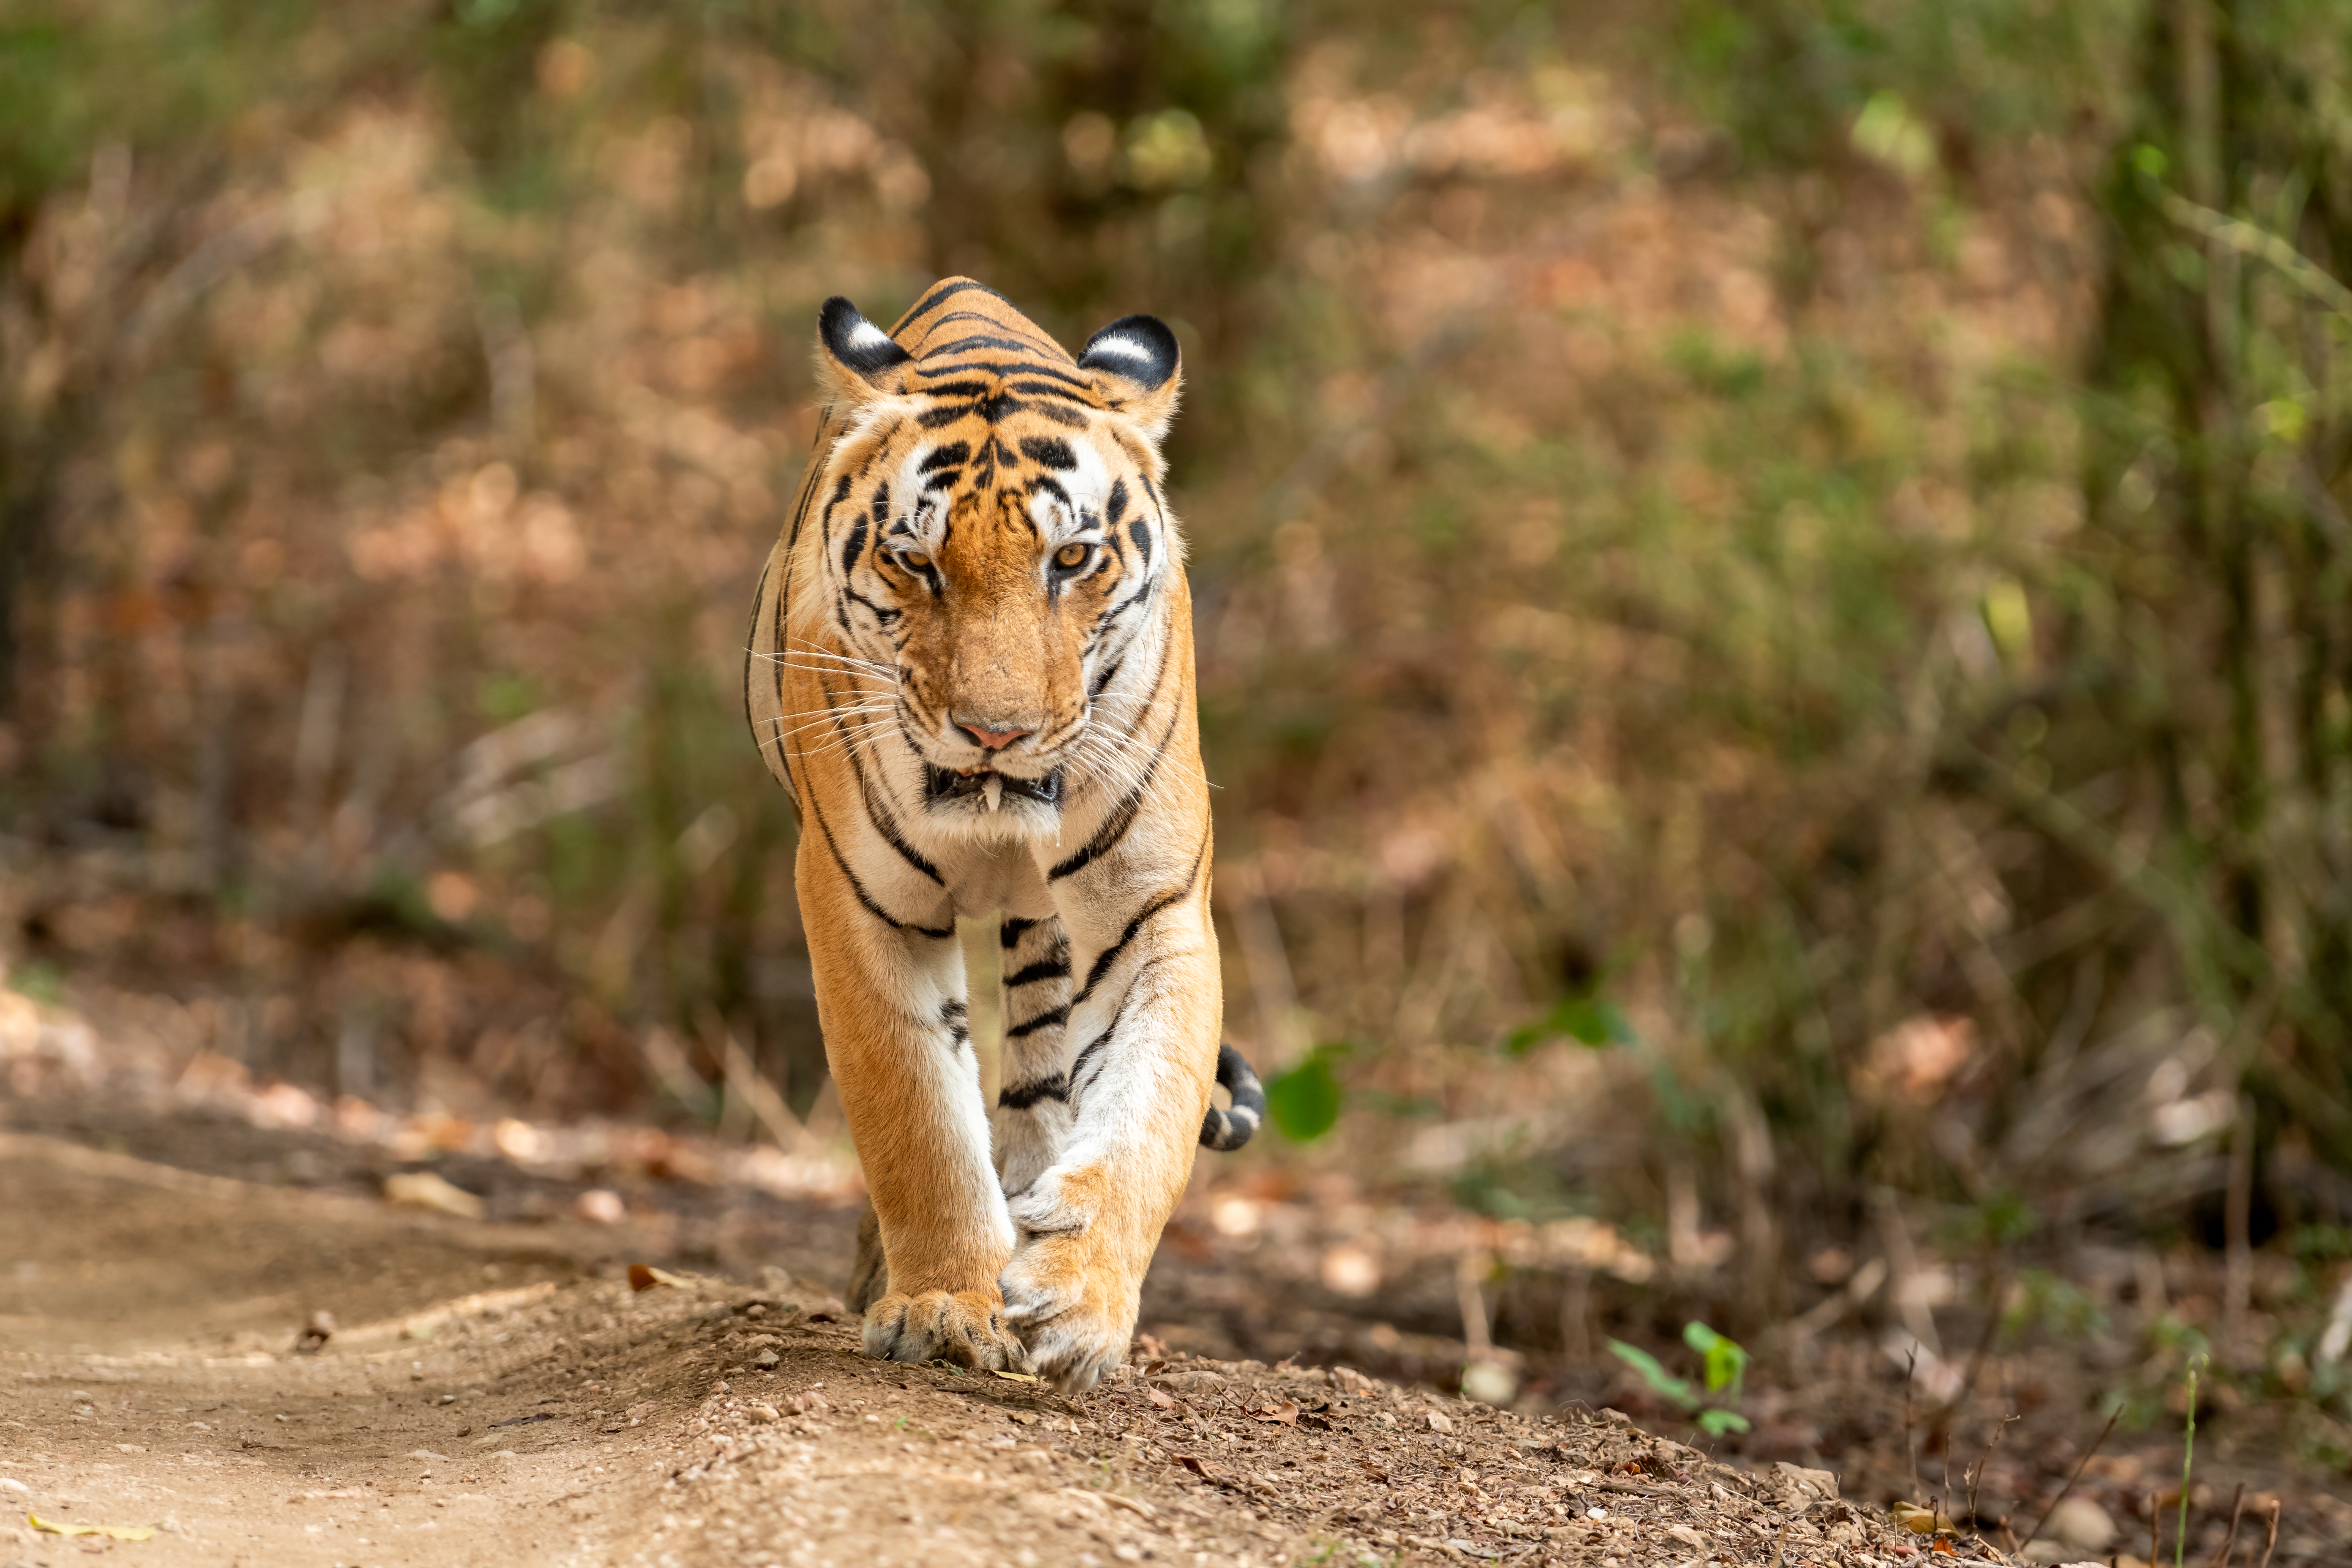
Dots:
(995, 788)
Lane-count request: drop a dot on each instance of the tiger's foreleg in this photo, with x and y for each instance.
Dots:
(1143, 1025)
(1031, 1119)
(890, 1000)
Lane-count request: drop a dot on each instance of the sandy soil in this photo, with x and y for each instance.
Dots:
(500, 1393)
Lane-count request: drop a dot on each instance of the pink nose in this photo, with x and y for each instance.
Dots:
(992, 740)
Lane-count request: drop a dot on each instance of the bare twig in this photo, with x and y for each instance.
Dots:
(2230, 1541)
(2152, 1528)
(2035, 1533)
(1983, 1459)
(1910, 1448)
(2270, 1542)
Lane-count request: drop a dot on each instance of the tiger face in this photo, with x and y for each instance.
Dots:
(1004, 540)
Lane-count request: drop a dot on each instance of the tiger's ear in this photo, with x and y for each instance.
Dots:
(1134, 365)
(858, 358)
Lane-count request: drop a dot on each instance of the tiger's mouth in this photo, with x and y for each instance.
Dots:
(957, 784)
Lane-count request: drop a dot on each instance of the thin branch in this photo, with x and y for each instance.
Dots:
(2035, 1533)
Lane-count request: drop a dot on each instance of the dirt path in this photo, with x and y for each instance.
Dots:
(501, 1394)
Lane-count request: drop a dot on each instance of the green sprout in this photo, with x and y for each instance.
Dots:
(1723, 1365)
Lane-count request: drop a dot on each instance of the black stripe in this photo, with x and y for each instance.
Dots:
(882, 614)
(1044, 1020)
(1087, 1056)
(1000, 367)
(1018, 329)
(855, 547)
(1123, 815)
(1009, 932)
(984, 341)
(1104, 960)
(858, 888)
(1050, 450)
(946, 456)
(1028, 1094)
(751, 641)
(1142, 592)
(944, 292)
(932, 418)
(1044, 969)
(1118, 1019)
(887, 827)
(1061, 416)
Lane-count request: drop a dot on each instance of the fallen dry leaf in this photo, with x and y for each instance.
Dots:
(1919, 1520)
(1288, 1414)
(1014, 1376)
(645, 1277)
(1202, 1467)
(1439, 1423)
(424, 1190)
(1159, 1400)
(112, 1532)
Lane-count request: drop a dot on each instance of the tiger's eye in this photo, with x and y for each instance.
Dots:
(913, 558)
(1071, 555)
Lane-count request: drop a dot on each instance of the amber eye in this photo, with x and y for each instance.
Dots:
(914, 560)
(1070, 557)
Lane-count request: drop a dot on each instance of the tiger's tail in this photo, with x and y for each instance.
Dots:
(1225, 1131)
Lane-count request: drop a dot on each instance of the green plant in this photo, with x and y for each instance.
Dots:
(1305, 1101)
(39, 981)
(2188, 1460)
(1723, 1365)
(1583, 1016)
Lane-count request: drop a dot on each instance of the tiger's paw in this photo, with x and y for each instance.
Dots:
(965, 1327)
(1071, 1293)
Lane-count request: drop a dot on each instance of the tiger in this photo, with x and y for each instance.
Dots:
(971, 663)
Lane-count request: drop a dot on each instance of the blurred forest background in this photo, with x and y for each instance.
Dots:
(1774, 581)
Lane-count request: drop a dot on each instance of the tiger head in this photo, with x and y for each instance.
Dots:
(996, 543)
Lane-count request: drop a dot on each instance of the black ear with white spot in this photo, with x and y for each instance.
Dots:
(860, 354)
(1139, 349)
(1135, 366)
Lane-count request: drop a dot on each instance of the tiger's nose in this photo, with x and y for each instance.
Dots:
(988, 739)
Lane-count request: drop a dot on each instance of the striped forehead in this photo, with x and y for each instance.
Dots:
(1063, 472)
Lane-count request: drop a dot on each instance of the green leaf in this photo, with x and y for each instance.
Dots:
(1715, 1423)
(1304, 1102)
(1587, 1020)
(1726, 1362)
(1660, 1380)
